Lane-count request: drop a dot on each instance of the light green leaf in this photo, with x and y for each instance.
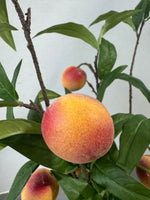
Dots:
(134, 140)
(107, 58)
(109, 78)
(9, 103)
(21, 178)
(115, 180)
(114, 20)
(110, 14)
(6, 27)
(7, 91)
(6, 36)
(73, 30)
(76, 189)
(9, 112)
(50, 94)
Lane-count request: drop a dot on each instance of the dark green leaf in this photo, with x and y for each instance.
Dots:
(117, 182)
(144, 8)
(119, 119)
(9, 103)
(113, 152)
(76, 189)
(107, 58)
(109, 78)
(33, 147)
(67, 91)
(114, 20)
(6, 27)
(73, 30)
(25, 137)
(7, 91)
(110, 14)
(21, 178)
(6, 36)
(50, 94)
(134, 140)
(136, 83)
(9, 112)
(2, 146)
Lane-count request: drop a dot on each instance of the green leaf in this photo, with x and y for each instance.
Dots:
(114, 20)
(119, 119)
(33, 115)
(9, 103)
(2, 146)
(134, 140)
(21, 178)
(107, 58)
(109, 78)
(50, 94)
(107, 174)
(75, 189)
(7, 91)
(6, 36)
(144, 8)
(25, 137)
(136, 83)
(110, 14)
(6, 27)
(9, 112)
(73, 30)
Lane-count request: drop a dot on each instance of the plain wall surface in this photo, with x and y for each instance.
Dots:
(56, 52)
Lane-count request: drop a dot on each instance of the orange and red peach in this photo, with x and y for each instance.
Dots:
(42, 185)
(73, 78)
(78, 128)
(143, 175)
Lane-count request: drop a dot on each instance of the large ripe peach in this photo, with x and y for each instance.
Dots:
(42, 185)
(73, 78)
(143, 175)
(78, 128)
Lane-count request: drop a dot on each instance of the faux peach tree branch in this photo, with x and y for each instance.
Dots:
(26, 28)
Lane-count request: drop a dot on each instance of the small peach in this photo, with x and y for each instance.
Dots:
(42, 185)
(73, 78)
(143, 175)
(78, 128)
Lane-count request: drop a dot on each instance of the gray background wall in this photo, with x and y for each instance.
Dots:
(56, 52)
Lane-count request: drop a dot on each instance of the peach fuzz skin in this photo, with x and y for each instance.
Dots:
(143, 175)
(78, 128)
(41, 186)
(73, 78)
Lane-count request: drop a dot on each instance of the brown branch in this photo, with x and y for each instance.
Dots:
(132, 64)
(91, 86)
(26, 28)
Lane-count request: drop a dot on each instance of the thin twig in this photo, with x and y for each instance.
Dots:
(26, 28)
(132, 64)
(96, 70)
(91, 86)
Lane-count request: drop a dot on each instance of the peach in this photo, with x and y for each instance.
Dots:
(78, 128)
(73, 78)
(143, 175)
(42, 185)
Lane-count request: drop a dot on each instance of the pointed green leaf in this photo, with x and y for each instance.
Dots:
(136, 83)
(21, 178)
(134, 140)
(73, 30)
(9, 103)
(7, 91)
(25, 137)
(107, 174)
(114, 20)
(9, 112)
(144, 9)
(107, 58)
(119, 119)
(110, 14)
(6, 36)
(75, 189)
(2, 146)
(6, 27)
(109, 78)
(50, 94)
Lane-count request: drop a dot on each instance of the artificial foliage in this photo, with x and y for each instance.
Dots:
(108, 178)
